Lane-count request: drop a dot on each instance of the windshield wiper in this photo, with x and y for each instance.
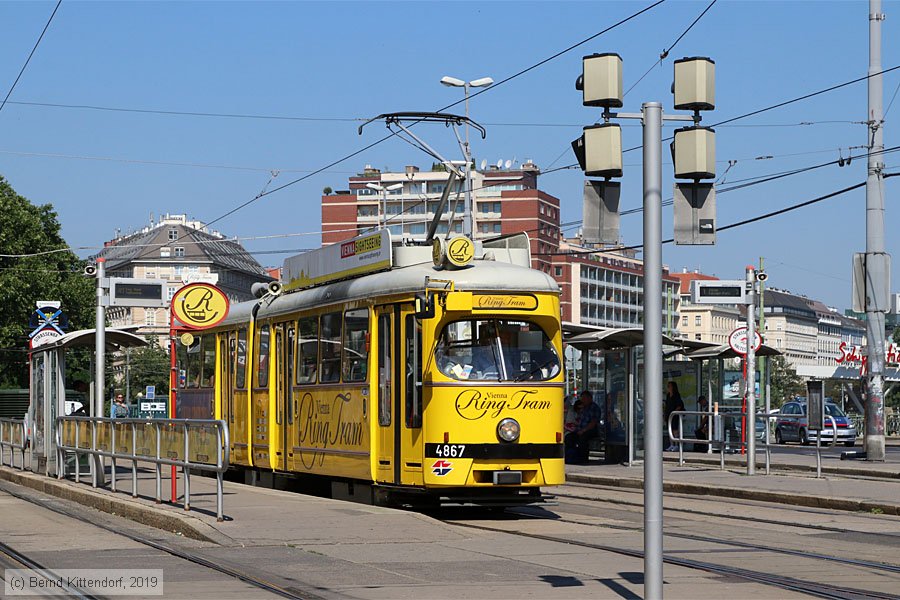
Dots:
(527, 375)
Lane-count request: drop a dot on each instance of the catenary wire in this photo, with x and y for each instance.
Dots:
(665, 53)
(30, 54)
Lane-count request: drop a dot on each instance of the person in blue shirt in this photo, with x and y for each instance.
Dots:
(587, 427)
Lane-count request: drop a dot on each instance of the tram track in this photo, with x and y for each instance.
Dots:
(815, 589)
(234, 572)
(706, 514)
(10, 558)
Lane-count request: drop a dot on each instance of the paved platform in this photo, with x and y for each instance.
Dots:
(344, 550)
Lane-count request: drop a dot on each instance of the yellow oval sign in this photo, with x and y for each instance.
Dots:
(200, 305)
(187, 338)
(460, 251)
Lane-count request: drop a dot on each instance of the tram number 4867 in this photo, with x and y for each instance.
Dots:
(449, 450)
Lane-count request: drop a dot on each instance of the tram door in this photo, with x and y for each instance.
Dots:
(399, 396)
(225, 409)
(260, 399)
(385, 437)
(285, 339)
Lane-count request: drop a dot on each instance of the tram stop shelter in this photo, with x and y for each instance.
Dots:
(612, 368)
(48, 389)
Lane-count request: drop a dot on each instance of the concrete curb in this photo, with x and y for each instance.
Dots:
(133, 509)
(695, 489)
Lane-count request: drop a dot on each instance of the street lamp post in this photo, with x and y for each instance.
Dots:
(384, 192)
(469, 209)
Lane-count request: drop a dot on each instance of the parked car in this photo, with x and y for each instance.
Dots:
(792, 425)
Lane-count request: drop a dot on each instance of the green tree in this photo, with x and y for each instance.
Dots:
(148, 365)
(785, 382)
(41, 268)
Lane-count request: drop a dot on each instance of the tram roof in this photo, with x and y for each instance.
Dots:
(481, 276)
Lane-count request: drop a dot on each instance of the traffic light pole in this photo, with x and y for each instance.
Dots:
(876, 272)
(653, 372)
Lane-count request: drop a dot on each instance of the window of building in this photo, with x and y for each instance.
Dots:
(559, 271)
(170, 291)
(179, 252)
(150, 274)
(698, 320)
(173, 234)
(696, 336)
(684, 321)
(165, 252)
(150, 318)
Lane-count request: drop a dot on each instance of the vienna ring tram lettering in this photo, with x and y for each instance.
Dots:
(368, 363)
(473, 405)
(323, 425)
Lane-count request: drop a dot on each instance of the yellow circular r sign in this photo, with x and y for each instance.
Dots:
(200, 305)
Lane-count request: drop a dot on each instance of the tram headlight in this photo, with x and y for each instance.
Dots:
(508, 430)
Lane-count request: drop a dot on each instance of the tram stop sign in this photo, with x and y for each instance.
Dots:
(738, 340)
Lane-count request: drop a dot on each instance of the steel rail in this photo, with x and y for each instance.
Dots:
(16, 557)
(829, 592)
(189, 557)
(742, 518)
(887, 567)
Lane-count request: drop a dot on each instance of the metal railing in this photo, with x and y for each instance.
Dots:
(200, 444)
(13, 437)
(716, 436)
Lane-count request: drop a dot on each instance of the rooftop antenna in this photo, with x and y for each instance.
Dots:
(507, 164)
(483, 163)
(500, 163)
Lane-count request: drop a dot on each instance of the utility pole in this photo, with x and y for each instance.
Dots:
(876, 259)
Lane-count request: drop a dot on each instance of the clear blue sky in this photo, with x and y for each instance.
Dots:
(340, 61)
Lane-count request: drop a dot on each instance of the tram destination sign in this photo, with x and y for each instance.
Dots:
(718, 291)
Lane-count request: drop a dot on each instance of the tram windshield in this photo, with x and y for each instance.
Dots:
(496, 350)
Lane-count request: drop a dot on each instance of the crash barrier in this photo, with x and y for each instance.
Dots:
(192, 444)
(12, 437)
(717, 436)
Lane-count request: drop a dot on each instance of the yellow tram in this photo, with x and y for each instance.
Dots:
(399, 372)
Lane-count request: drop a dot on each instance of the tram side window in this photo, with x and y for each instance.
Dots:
(384, 370)
(208, 361)
(356, 334)
(190, 364)
(308, 356)
(413, 372)
(330, 336)
(240, 372)
(262, 358)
